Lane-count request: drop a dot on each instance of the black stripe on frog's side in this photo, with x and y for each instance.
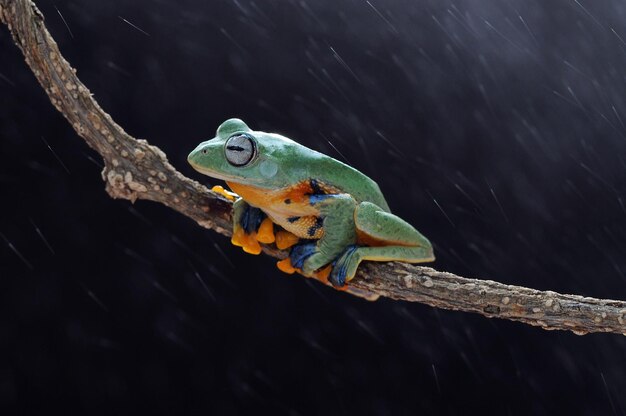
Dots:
(291, 220)
(320, 192)
(315, 187)
(319, 222)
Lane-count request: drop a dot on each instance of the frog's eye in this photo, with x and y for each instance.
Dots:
(240, 149)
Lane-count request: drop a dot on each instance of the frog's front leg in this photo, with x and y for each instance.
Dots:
(250, 227)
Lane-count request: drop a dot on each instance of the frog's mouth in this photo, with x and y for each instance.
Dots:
(195, 160)
(210, 172)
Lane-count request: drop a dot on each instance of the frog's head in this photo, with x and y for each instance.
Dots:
(238, 154)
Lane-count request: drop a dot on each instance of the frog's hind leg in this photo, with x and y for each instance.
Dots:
(387, 238)
(346, 266)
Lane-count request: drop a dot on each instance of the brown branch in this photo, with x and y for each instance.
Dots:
(136, 170)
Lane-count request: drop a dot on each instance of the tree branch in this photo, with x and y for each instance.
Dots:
(135, 170)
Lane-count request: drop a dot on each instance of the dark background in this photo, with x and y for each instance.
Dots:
(496, 128)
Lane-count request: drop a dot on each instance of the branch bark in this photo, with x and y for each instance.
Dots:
(134, 170)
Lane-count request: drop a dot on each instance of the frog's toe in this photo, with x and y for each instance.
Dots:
(285, 266)
(251, 244)
(248, 242)
(323, 274)
(239, 237)
(226, 194)
(285, 239)
(344, 268)
(265, 234)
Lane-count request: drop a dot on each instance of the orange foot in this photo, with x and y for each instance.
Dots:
(285, 239)
(285, 266)
(248, 242)
(265, 233)
(226, 194)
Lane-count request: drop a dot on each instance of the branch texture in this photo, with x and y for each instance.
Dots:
(136, 170)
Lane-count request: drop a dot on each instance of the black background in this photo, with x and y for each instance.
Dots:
(496, 128)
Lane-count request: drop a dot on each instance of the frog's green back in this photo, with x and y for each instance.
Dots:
(271, 161)
(315, 165)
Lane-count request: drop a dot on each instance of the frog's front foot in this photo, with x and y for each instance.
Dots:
(250, 227)
(231, 196)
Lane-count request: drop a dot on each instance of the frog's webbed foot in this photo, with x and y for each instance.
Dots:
(250, 227)
(300, 257)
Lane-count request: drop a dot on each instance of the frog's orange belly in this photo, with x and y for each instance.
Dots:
(288, 207)
(309, 226)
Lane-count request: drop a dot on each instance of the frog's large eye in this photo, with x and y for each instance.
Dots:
(240, 149)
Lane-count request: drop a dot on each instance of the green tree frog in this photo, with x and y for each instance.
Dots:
(331, 215)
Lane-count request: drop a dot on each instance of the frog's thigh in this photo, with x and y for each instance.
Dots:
(375, 224)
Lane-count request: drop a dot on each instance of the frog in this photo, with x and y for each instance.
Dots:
(328, 214)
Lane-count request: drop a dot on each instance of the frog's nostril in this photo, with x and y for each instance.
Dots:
(204, 151)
